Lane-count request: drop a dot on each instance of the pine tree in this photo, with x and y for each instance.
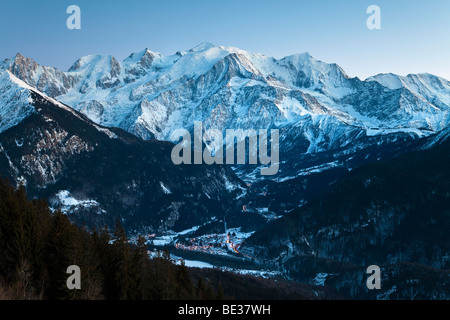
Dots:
(141, 269)
(106, 255)
(123, 265)
(94, 277)
(220, 293)
(60, 254)
(41, 230)
(204, 290)
(185, 287)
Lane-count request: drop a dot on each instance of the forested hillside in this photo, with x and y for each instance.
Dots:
(37, 245)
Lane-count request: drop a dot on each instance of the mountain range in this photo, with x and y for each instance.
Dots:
(151, 95)
(363, 175)
(328, 121)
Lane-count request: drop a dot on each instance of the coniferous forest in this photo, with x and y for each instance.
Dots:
(38, 245)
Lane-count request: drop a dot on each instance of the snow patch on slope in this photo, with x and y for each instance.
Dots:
(164, 188)
(68, 202)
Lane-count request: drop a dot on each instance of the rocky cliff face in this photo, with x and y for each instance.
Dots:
(49, 80)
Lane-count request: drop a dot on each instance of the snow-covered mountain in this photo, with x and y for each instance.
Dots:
(98, 174)
(329, 123)
(151, 95)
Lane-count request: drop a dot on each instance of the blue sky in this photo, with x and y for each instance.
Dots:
(414, 35)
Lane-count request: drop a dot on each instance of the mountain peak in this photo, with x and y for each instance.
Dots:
(203, 46)
(21, 61)
(22, 65)
(144, 57)
(300, 59)
(92, 59)
(388, 80)
(147, 58)
(18, 56)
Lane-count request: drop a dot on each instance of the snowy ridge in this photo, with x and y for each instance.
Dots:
(18, 103)
(424, 85)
